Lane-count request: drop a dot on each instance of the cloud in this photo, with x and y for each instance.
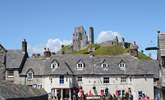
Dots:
(108, 35)
(53, 44)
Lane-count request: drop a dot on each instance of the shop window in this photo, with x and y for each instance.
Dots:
(123, 80)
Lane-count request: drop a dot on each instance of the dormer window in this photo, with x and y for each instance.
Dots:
(54, 65)
(104, 65)
(80, 66)
(30, 75)
(122, 65)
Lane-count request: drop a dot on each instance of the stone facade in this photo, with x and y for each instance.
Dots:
(161, 59)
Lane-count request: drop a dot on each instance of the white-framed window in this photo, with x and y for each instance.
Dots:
(30, 75)
(80, 66)
(122, 66)
(105, 79)
(54, 65)
(79, 78)
(34, 85)
(104, 65)
(10, 73)
(123, 79)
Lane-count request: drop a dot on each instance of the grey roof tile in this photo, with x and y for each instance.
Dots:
(10, 90)
(68, 65)
(14, 58)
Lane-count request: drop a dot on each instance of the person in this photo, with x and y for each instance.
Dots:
(110, 97)
(114, 97)
(58, 95)
(126, 96)
(130, 97)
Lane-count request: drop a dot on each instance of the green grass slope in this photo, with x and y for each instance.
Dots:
(111, 50)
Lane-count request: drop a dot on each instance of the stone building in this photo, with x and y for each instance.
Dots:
(2, 62)
(81, 39)
(62, 75)
(161, 59)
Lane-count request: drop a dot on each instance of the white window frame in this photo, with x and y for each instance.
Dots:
(29, 79)
(54, 65)
(80, 66)
(123, 79)
(122, 66)
(104, 65)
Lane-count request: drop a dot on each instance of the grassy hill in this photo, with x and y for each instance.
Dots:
(105, 50)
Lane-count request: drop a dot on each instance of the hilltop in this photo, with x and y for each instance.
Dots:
(99, 49)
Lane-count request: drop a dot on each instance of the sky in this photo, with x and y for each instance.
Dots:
(50, 23)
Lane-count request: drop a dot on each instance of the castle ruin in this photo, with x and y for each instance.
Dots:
(81, 39)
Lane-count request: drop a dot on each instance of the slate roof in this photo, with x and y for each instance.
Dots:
(10, 90)
(37, 65)
(14, 58)
(68, 65)
(42, 67)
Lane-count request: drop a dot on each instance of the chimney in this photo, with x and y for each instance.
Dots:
(134, 49)
(47, 53)
(24, 46)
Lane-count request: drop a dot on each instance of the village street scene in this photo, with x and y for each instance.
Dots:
(82, 50)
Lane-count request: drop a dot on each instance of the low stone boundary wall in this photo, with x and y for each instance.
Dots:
(42, 97)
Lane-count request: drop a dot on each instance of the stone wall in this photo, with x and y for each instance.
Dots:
(42, 97)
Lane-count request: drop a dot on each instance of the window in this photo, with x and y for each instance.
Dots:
(34, 85)
(80, 66)
(39, 86)
(62, 79)
(106, 80)
(104, 65)
(51, 81)
(122, 66)
(163, 61)
(123, 80)
(10, 73)
(54, 65)
(30, 75)
(79, 79)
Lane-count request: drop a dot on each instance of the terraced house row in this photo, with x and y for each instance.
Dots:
(63, 74)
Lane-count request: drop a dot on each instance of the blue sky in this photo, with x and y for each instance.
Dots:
(43, 21)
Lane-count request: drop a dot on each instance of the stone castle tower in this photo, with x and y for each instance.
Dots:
(81, 39)
(91, 35)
